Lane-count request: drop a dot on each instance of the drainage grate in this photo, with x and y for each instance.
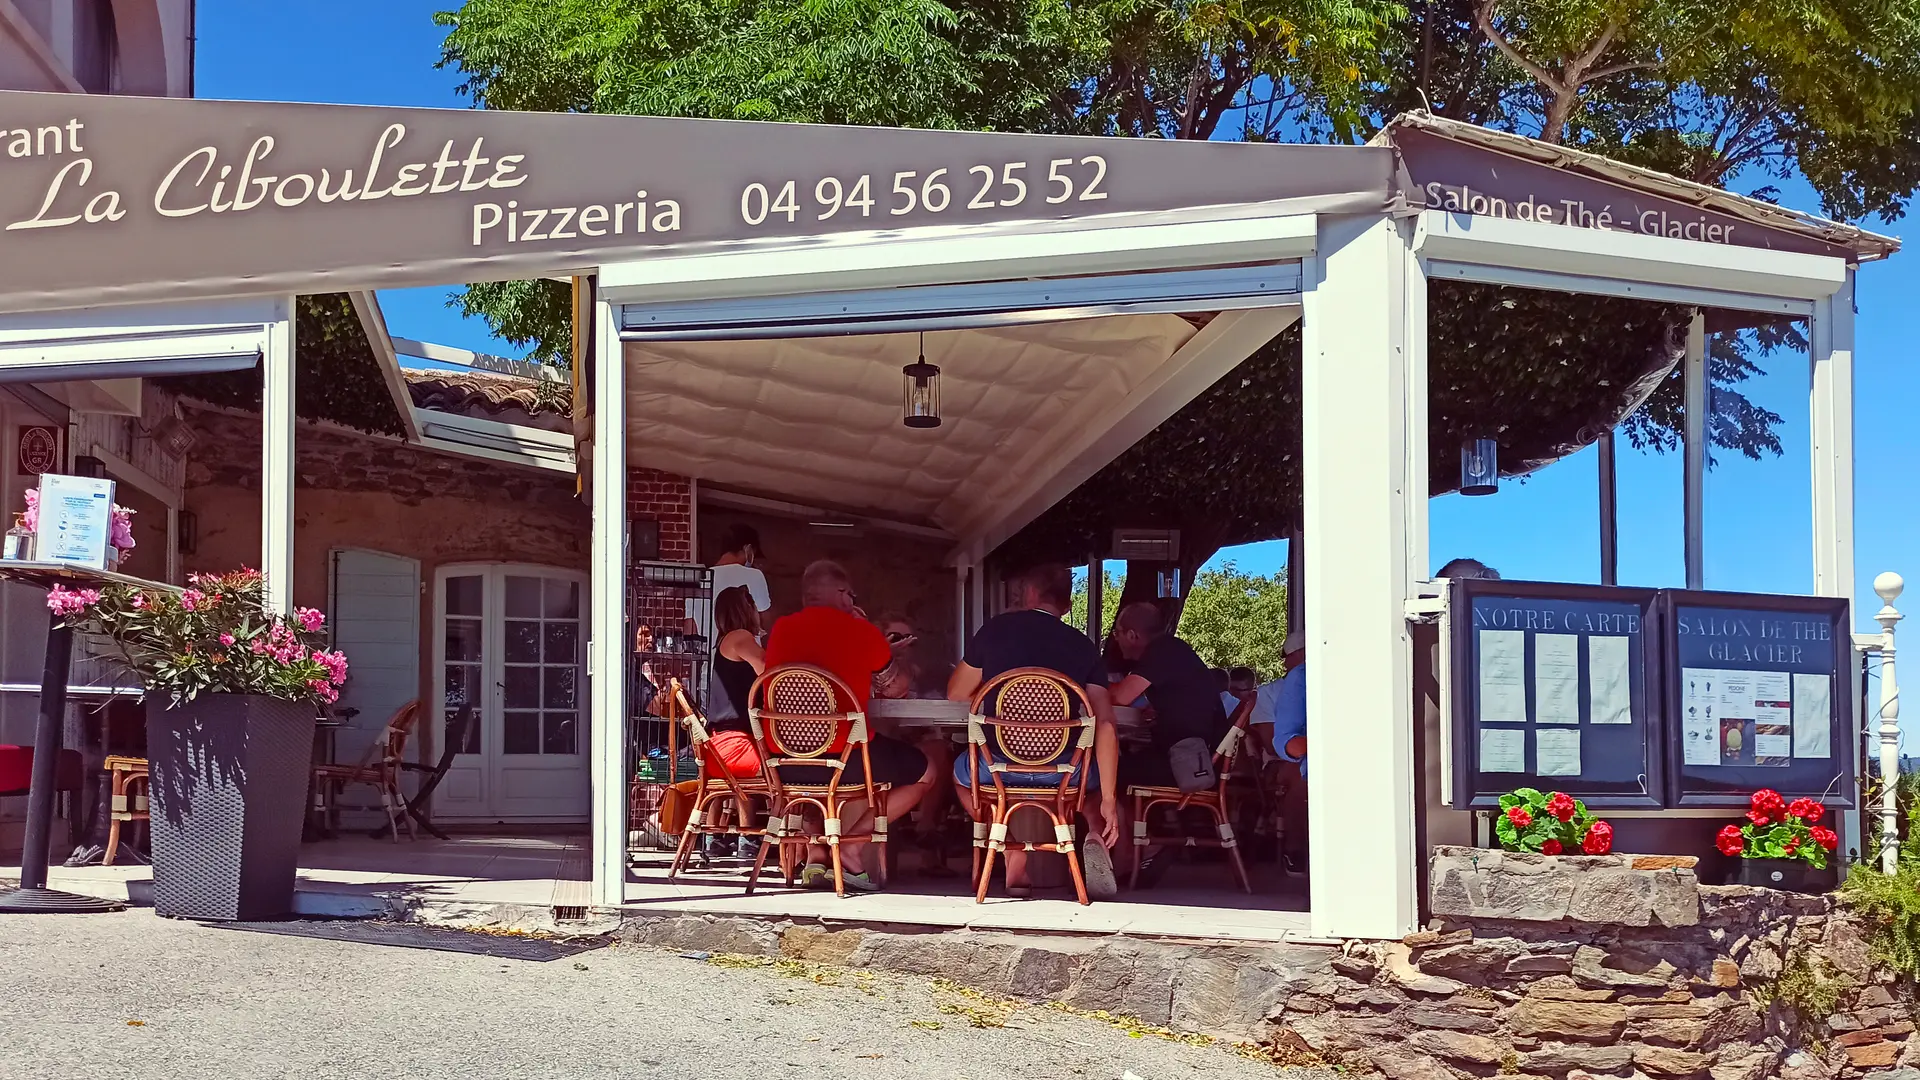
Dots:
(437, 939)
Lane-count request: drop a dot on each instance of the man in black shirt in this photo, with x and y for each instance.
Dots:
(1035, 636)
(1181, 688)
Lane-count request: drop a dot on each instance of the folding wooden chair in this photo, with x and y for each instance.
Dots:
(379, 768)
(796, 718)
(1213, 800)
(722, 802)
(1025, 733)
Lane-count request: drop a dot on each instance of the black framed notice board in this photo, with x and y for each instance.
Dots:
(1556, 687)
(1648, 698)
(1760, 692)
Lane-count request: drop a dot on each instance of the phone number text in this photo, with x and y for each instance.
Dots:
(1066, 180)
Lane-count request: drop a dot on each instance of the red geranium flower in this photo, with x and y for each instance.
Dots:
(1519, 816)
(1768, 801)
(1792, 845)
(1758, 818)
(1599, 839)
(1806, 810)
(1826, 838)
(1730, 842)
(1551, 847)
(1561, 806)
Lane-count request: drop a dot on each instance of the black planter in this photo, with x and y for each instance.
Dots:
(229, 779)
(1790, 875)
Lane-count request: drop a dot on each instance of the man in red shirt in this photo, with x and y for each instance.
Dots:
(831, 632)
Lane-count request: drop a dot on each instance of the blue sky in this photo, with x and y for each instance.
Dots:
(382, 52)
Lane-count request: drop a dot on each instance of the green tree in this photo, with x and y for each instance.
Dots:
(1234, 619)
(1109, 601)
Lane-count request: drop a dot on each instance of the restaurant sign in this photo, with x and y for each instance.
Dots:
(119, 199)
(1464, 179)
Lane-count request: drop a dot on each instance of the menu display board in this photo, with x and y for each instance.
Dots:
(1556, 686)
(1759, 691)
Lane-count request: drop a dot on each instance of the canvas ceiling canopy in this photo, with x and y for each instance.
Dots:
(121, 199)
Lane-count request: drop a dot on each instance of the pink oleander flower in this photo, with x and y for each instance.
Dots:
(139, 601)
(259, 647)
(310, 620)
(335, 663)
(65, 602)
(226, 639)
(192, 599)
(31, 519)
(122, 529)
(323, 690)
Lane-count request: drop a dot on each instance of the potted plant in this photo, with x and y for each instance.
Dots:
(232, 695)
(1554, 823)
(1781, 846)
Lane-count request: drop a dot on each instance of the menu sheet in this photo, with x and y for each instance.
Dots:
(1753, 718)
(76, 520)
(1556, 679)
(1609, 680)
(1503, 676)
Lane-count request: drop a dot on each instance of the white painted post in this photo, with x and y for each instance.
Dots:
(1361, 417)
(607, 732)
(1888, 586)
(1831, 450)
(276, 461)
(1697, 390)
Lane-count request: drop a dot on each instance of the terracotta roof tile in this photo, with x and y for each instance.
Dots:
(470, 392)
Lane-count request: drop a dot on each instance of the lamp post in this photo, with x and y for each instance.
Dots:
(1888, 587)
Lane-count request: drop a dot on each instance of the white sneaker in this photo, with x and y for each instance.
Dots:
(1097, 867)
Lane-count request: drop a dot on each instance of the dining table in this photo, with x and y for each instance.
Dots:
(938, 714)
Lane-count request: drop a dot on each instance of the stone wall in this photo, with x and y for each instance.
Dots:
(1595, 966)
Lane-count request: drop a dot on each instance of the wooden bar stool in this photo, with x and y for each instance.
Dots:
(130, 802)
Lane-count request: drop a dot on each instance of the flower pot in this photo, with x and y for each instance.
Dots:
(229, 776)
(1790, 875)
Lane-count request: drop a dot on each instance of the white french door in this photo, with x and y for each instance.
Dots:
(510, 647)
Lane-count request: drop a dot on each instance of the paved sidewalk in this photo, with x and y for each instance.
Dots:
(135, 995)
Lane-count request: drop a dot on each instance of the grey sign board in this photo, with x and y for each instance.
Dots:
(123, 199)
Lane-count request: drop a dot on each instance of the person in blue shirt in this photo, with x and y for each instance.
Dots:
(1279, 720)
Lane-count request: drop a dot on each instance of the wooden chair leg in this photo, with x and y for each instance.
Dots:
(681, 853)
(113, 843)
(1063, 833)
(1140, 807)
(986, 875)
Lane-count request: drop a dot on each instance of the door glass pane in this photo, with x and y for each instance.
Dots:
(523, 598)
(523, 687)
(562, 642)
(563, 599)
(522, 733)
(558, 690)
(463, 596)
(560, 733)
(471, 743)
(462, 685)
(523, 641)
(463, 640)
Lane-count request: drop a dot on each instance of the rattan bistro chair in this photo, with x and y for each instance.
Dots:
(722, 802)
(378, 769)
(1025, 732)
(1213, 800)
(796, 718)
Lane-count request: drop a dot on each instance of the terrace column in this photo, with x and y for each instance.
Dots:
(1364, 470)
(276, 461)
(1830, 352)
(607, 648)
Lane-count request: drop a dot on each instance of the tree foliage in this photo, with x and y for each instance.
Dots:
(1719, 91)
(336, 376)
(1236, 619)
(1109, 601)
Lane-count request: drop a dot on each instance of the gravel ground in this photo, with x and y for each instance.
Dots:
(134, 995)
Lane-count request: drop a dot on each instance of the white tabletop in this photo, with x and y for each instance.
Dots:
(933, 712)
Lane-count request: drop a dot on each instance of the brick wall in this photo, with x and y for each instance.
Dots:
(666, 499)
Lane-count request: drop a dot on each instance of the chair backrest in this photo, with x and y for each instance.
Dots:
(1225, 754)
(391, 747)
(795, 711)
(1028, 716)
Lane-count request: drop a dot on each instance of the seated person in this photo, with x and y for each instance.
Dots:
(737, 661)
(1280, 720)
(905, 683)
(1180, 688)
(830, 631)
(1241, 681)
(1035, 636)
